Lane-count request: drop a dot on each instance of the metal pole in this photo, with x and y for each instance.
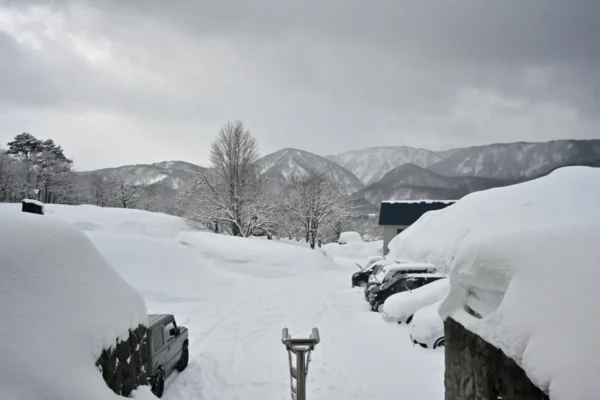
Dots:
(301, 380)
(301, 348)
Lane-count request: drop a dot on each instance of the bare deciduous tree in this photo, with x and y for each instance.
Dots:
(315, 203)
(232, 195)
(126, 194)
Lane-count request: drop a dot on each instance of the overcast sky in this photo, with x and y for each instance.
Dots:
(137, 81)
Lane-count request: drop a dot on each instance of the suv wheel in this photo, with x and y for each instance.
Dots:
(185, 357)
(159, 385)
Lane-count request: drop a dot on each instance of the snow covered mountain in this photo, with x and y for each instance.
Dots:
(410, 182)
(517, 160)
(283, 164)
(371, 164)
(167, 173)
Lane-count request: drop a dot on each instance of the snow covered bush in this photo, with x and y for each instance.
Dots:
(61, 304)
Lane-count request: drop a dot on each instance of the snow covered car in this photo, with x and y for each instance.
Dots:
(350, 238)
(391, 270)
(402, 306)
(374, 265)
(427, 327)
(168, 350)
(402, 282)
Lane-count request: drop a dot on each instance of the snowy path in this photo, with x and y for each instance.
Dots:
(235, 321)
(237, 354)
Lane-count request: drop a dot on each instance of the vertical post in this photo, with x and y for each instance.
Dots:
(301, 376)
(302, 348)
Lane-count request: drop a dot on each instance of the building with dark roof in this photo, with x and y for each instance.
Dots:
(396, 216)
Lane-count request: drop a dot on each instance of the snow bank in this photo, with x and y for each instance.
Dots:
(567, 196)
(357, 251)
(61, 304)
(257, 258)
(537, 294)
(111, 220)
(400, 306)
(350, 238)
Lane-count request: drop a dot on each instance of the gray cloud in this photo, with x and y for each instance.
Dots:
(322, 76)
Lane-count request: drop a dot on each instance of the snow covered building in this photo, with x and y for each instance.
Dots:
(396, 216)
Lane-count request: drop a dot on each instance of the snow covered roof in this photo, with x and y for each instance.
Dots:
(36, 202)
(429, 201)
(407, 212)
(61, 304)
(566, 196)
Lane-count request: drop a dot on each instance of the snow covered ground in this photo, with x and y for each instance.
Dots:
(235, 295)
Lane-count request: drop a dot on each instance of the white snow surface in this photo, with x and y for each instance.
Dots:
(350, 237)
(235, 295)
(567, 196)
(525, 258)
(426, 326)
(400, 306)
(537, 293)
(61, 303)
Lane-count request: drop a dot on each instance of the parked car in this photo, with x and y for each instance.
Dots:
(401, 307)
(361, 278)
(403, 282)
(390, 271)
(427, 327)
(350, 237)
(168, 350)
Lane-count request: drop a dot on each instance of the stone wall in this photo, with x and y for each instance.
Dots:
(124, 366)
(476, 370)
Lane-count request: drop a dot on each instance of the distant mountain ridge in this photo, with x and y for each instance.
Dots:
(371, 164)
(283, 164)
(172, 174)
(411, 182)
(396, 172)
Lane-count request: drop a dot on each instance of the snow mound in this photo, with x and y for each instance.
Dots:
(112, 220)
(61, 304)
(567, 196)
(257, 258)
(400, 306)
(350, 238)
(357, 251)
(534, 295)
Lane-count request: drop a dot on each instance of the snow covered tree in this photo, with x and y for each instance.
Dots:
(8, 176)
(315, 203)
(206, 200)
(232, 194)
(126, 194)
(42, 165)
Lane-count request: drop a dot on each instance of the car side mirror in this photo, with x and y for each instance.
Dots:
(173, 332)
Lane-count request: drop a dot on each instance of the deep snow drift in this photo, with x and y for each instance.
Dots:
(60, 305)
(235, 295)
(567, 196)
(537, 294)
(524, 273)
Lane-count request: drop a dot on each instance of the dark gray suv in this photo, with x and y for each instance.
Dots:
(168, 350)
